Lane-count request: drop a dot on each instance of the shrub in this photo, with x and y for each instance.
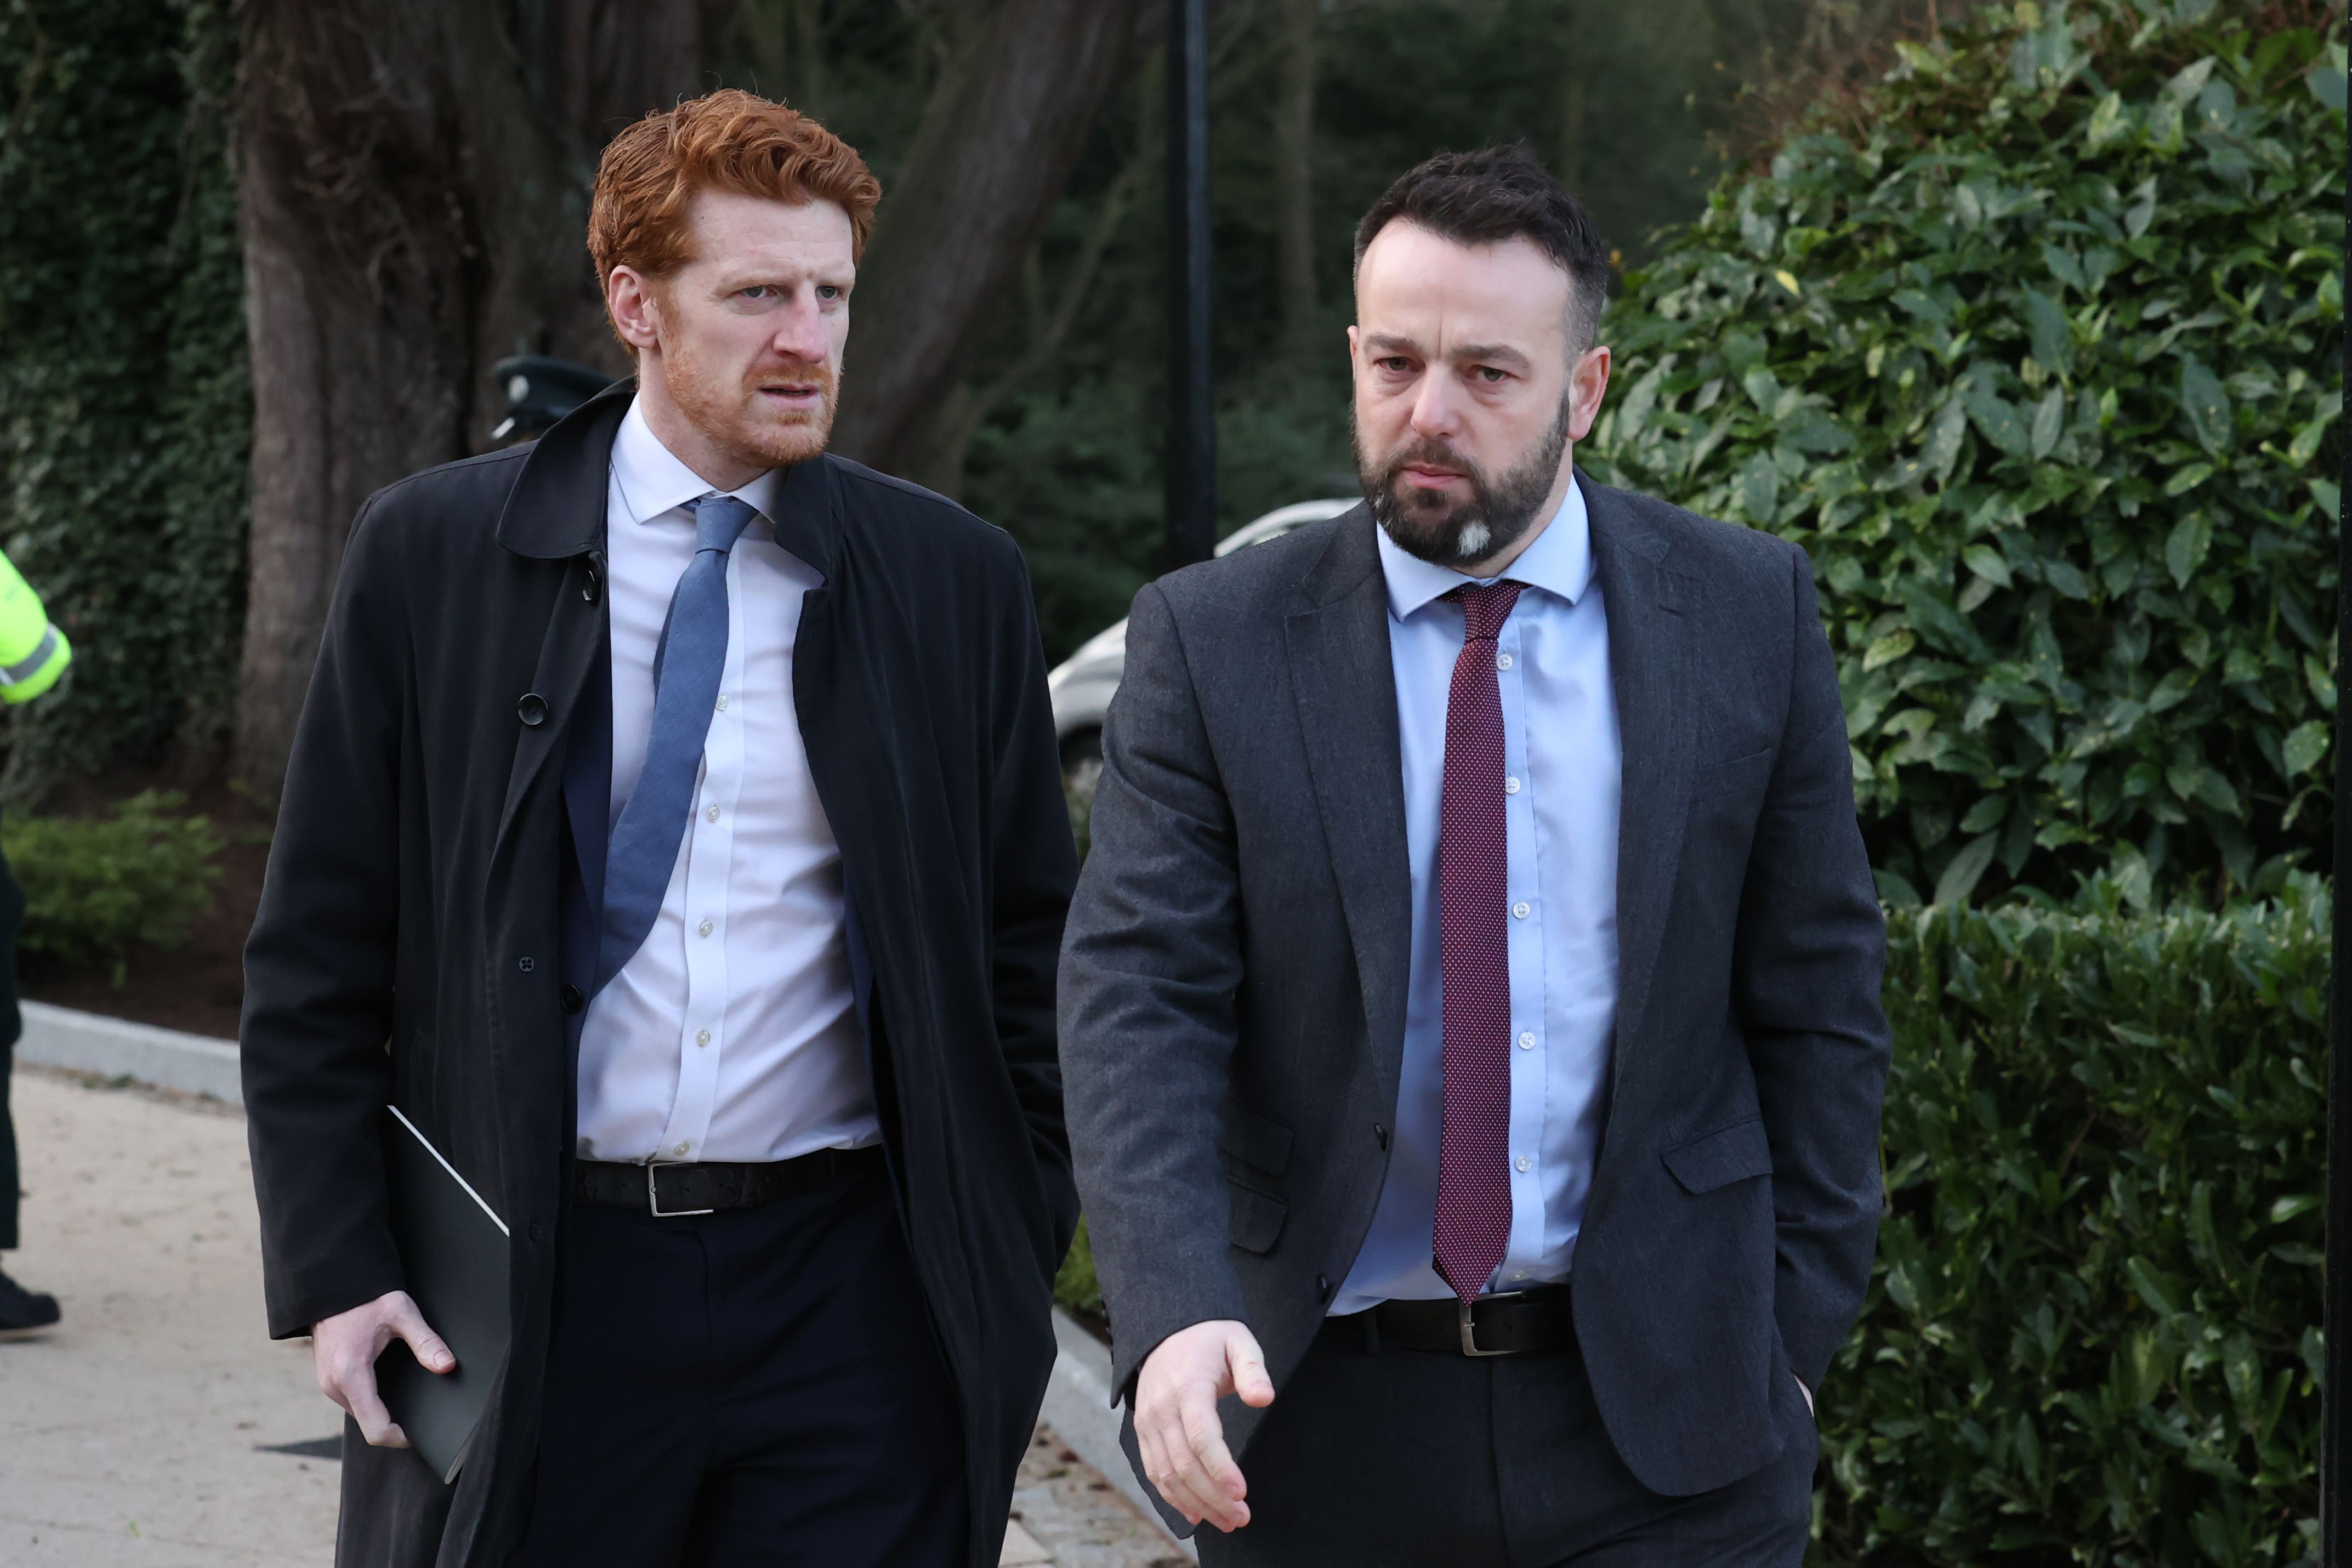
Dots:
(2093, 1333)
(2037, 353)
(95, 886)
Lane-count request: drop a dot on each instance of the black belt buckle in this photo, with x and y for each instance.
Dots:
(1470, 1326)
(653, 1195)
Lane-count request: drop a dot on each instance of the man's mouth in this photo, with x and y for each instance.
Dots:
(793, 395)
(1427, 478)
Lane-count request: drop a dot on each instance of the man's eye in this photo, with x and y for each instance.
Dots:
(1490, 375)
(1394, 363)
(759, 292)
(828, 291)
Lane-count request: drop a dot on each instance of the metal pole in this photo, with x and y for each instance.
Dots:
(2336, 1394)
(1189, 463)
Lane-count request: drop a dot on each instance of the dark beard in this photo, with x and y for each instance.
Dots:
(1497, 515)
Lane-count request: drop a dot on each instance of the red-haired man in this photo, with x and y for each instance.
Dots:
(675, 836)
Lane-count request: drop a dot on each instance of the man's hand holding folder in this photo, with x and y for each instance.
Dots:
(343, 1350)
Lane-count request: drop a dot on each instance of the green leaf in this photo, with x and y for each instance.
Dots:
(2206, 404)
(1986, 562)
(2048, 331)
(1967, 869)
(2287, 1208)
(2049, 422)
(1888, 650)
(2188, 477)
(2306, 445)
(1994, 415)
(2142, 212)
(2303, 746)
(1943, 447)
(2184, 551)
(2326, 83)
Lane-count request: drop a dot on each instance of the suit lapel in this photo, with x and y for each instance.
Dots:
(571, 648)
(1650, 659)
(1346, 691)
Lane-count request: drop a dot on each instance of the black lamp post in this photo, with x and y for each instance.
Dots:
(1191, 461)
(2336, 1395)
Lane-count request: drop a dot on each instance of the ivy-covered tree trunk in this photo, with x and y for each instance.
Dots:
(412, 208)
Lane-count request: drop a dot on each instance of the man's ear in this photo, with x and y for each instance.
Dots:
(633, 302)
(1588, 384)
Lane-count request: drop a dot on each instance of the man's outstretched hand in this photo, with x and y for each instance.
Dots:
(1176, 1426)
(343, 1348)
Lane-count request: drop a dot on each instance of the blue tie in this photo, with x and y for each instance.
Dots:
(689, 663)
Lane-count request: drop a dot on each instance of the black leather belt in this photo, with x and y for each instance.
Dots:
(1515, 1323)
(668, 1192)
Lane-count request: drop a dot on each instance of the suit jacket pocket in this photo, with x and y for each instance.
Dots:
(1734, 777)
(1719, 1158)
(1257, 1219)
(1252, 1140)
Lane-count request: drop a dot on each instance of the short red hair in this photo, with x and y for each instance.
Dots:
(728, 141)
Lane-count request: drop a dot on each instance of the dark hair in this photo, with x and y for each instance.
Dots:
(1499, 193)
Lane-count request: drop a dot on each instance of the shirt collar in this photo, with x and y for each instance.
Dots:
(1559, 562)
(652, 481)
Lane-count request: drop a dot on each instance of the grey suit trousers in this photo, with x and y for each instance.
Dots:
(1408, 1459)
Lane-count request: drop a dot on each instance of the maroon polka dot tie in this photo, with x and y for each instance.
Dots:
(1474, 1176)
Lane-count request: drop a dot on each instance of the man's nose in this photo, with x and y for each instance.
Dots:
(1434, 413)
(799, 331)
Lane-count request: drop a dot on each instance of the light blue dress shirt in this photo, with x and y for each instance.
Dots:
(1563, 770)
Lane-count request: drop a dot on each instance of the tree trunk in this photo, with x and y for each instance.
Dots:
(408, 219)
(1293, 160)
(1002, 130)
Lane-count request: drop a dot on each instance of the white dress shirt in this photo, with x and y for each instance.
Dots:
(1563, 782)
(732, 1034)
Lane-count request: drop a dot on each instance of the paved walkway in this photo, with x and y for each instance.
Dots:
(158, 1425)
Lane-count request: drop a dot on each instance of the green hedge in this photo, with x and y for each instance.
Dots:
(95, 887)
(2092, 1336)
(2037, 351)
(125, 406)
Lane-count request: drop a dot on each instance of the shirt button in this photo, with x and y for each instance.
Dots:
(705, 928)
(702, 1037)
(681, 1148)
(1510, 786)
(712, 814)
(1523, 1163)
(723, 702)
(1502, 661)
(1528, 1042)
(1520, 1275)
(1518, 912)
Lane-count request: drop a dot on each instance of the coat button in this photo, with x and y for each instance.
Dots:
(592, 588)
(531, 710)
(572, 1000)
(536, 1233)
(1322, 1288)
(1381, 1134)
(527, 964)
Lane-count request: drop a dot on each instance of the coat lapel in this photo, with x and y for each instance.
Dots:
(1346, 690)
(1650, 659)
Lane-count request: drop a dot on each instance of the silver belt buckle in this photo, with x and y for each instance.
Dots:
(1469, 1328)
(653, 1197)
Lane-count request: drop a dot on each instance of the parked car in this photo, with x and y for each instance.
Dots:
(1082, 685)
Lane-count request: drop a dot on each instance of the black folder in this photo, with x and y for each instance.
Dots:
(452, 1247)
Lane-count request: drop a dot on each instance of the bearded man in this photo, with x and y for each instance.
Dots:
(675, 836)
(1470, 1005)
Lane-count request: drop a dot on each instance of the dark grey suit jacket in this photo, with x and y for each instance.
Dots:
(1233, 988)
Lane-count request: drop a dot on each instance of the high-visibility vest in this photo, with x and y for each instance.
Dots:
(33, 653)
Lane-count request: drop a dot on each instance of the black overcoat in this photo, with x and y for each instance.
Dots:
(408, 946)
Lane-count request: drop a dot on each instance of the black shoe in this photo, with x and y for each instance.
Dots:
(21, 1311)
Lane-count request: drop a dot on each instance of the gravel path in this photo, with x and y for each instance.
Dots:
(158, 1427)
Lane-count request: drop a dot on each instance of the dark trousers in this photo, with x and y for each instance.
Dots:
(8, 1180)
(1407, 1459)
(755, 1387)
